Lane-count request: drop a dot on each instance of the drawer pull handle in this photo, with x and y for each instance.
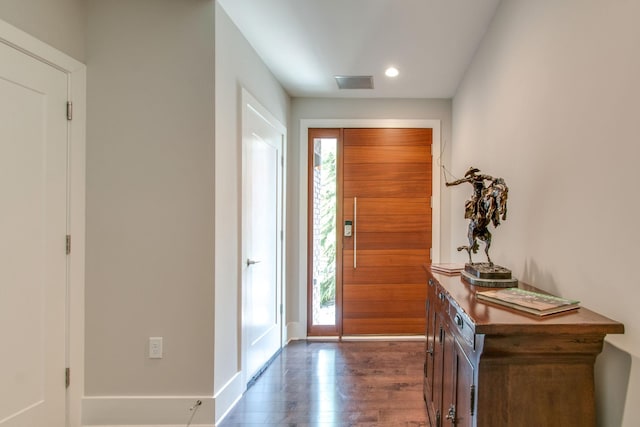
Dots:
(459, 321)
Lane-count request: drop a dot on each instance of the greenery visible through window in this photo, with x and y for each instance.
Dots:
(324, 216)
(328, 230)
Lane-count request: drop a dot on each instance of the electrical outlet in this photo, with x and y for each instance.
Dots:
(155, 347)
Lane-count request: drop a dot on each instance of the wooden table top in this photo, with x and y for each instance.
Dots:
(492, 319)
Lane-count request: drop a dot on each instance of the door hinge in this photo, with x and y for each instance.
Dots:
(473, 398)
(68, 244)
(67, 377)
(69, 110)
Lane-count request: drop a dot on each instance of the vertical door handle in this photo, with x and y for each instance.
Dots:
(355, 232)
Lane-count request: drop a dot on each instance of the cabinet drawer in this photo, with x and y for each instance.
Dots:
(461, 326)
(442, 300)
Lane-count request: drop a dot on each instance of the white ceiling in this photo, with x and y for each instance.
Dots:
(306, 42)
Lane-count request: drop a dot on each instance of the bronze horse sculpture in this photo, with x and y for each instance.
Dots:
(488, 205)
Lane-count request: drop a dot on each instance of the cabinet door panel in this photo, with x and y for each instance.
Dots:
(438, 369)
(448, 379)
(430, 345)
(464, 396)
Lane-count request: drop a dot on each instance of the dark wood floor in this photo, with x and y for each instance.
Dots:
(337, 384)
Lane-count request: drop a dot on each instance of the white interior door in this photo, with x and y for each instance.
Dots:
(33, 224)
(262, 236)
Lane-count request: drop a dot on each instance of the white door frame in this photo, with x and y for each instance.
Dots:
(305, 125)
(76, 128)
(248, 101)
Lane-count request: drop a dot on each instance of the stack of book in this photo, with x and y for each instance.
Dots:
(529, 301)
(447, 268)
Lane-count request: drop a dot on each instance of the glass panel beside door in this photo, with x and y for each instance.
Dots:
(324, 246)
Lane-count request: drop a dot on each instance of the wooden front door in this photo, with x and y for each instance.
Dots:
(386, 194)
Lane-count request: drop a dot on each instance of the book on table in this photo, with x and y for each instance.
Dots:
(447, 268)
(529, 301)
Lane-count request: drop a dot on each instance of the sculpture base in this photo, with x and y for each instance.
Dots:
(488, 275)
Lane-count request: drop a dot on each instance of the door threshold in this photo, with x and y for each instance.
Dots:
(333, 338)
(323, 338)
(383, 338)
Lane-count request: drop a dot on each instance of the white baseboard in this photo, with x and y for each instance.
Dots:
(140, 411)
(165, 411)
(228, 396)
(296, 331)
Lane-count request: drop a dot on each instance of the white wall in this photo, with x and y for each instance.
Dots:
(550, 103)
(150, 205)
(59, 23)
(237, 66)
(160, 177)
(330, 108)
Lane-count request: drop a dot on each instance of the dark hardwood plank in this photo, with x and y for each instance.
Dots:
(377, 383)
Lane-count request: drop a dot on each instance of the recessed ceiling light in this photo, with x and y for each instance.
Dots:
(391, 72)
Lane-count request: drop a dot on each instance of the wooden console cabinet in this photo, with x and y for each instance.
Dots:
(491, 366)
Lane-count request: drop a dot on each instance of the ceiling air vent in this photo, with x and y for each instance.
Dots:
(354, 82)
